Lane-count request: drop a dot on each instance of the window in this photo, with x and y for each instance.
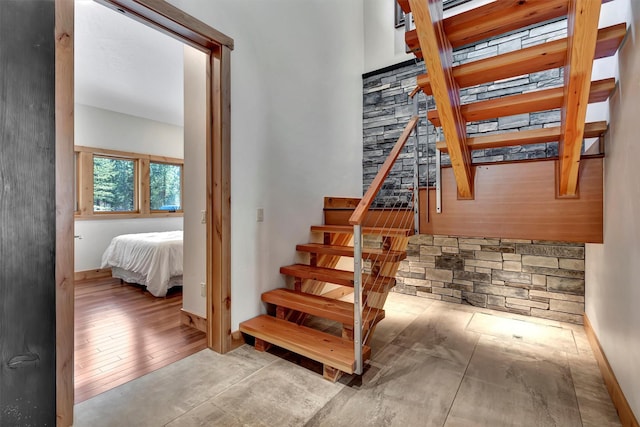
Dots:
(446, 4)
(165, 185)
(113, 185)
(116, 184)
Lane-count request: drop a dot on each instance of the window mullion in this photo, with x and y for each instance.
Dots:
(85, 181)
(143, 197)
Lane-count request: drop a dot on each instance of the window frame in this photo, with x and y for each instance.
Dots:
(399, 15)
(162, 161)
(136, 197)
(142, 195)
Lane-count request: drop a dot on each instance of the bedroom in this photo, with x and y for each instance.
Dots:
(129, 116)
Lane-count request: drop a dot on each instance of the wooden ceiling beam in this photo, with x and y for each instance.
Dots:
(529, 60)
(526, 137)
(546, 99)
(438, 59)
(582, 24)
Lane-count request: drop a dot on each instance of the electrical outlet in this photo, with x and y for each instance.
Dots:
(203, 217)
(260, 215)
(203, 290)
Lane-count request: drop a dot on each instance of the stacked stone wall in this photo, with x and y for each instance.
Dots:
(532, 278)
(528, 277)
(387, 109)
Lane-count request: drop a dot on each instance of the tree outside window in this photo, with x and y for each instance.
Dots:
(165, 186)
(113, 185)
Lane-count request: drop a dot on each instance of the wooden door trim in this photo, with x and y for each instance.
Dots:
(170, 20)
(64, 166)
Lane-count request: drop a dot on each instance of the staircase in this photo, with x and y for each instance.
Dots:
(434, 38)
(354, 299)
(321, 289)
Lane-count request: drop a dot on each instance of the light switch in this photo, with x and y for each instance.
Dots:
(260, 215)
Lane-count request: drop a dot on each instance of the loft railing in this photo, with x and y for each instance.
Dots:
(387, 203)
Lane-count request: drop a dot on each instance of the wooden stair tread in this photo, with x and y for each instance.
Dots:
(348, 229)
(525, 61)
(347, 251)
(316, 305)
(341, 202)
(491, 20)
(391, 218)
(339, 277)
(525, 137)
(320, 346)
(541, 100)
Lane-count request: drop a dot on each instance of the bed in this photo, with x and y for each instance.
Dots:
(150, 259)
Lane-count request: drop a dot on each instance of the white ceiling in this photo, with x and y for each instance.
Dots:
(125, 66)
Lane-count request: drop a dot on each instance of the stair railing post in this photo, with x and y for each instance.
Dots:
(416, 169)
(357, 297)
(438, 176)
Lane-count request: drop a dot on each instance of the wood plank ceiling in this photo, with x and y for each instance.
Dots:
(434, 39)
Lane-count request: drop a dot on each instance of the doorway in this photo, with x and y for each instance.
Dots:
(168, 19)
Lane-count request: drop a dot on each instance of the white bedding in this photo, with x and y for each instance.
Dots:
(157, 257)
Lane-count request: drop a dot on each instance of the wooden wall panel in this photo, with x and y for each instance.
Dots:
(27, 213)
(518, 201)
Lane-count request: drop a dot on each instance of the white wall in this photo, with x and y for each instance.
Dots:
(296, 127)
(383, 43)
(95, 127)
(96, 236)
(612, 268)
(194, 198)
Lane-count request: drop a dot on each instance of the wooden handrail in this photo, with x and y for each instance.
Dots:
(363, 207)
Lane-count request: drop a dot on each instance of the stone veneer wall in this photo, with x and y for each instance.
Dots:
(533, 278)
(387, 109)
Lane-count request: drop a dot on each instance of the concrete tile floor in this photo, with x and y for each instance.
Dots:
(433, 364)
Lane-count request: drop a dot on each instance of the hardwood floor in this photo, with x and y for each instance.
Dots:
(123, 332)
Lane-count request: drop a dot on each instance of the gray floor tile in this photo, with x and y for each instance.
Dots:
(210, 415)
(409, 388)
(551, 337)
(482, 404)
(522, 368)
(593, 399)
(409, 304)
(282, 395)
(432, 364)
(157, 398)
(440, 332)
(387, 330)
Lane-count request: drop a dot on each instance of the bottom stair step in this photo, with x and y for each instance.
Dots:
(327, 349)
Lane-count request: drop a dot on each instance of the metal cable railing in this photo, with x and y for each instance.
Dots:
(380, 210)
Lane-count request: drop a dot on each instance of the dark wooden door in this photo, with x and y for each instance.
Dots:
(27, 213)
